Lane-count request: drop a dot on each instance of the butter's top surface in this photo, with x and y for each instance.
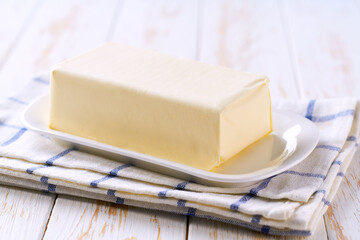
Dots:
(164, 76)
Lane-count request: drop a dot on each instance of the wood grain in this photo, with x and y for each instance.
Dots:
(23, 213)
(76, 218)
(325, 36)
(298, 44)
(209, 229)
(325, 40)
(249, 36)
(152, 225)
(343, 216)
(166, 26)
(16, 14)
(59, 30)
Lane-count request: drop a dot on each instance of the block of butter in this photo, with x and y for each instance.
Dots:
(180, 110)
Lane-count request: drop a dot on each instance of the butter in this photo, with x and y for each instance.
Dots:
(180, 110)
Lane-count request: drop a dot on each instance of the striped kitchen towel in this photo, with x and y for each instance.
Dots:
(290, 203)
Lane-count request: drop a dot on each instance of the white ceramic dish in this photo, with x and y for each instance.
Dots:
(293, 139)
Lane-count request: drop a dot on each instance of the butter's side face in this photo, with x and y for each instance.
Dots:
(180, 110)
(245, 120)
(135, 121)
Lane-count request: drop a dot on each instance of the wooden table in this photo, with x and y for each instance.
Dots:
(309, 49)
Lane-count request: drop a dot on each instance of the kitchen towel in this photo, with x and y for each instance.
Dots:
(290, 203)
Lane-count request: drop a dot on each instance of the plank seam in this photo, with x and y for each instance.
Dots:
(326, 227)
(51, 211)
(200, 20)
(119, 6)
(291, 49)
(187, 227)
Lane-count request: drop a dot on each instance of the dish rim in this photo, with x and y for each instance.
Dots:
(178, 167)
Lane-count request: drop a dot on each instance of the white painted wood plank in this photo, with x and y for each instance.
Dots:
(209, 229)
(201, 229)
(343, 216)
(14, 17)
(249, 36)
(326, 36)
(169, 27)
(165, 26)
(23, 213)
(60, 29)
(75, 218)
(106, 225)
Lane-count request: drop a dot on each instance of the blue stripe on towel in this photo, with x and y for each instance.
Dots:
(257, 227)
(110, 192)
(310, 112)
(113, 173)
(320, 191)
(17, 100)
(326, 202)
(44, 179)
(352, 139)
(162, 194)
(32, 169)
(9, 125)
(265, 229)
(340, 174)
(262, 186)
(14, 138)
(253, 192)
(244, 199)
(191, 211)
(181, 203)
(51, 187)
(338, 162)
(316, 175)
(40, 80)
(310, 109)
(348, 112)
(182, 185)
(51, 160)
(97, 181)
(120, 200)
(329, 147)
(256, 219)
(290, 232)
